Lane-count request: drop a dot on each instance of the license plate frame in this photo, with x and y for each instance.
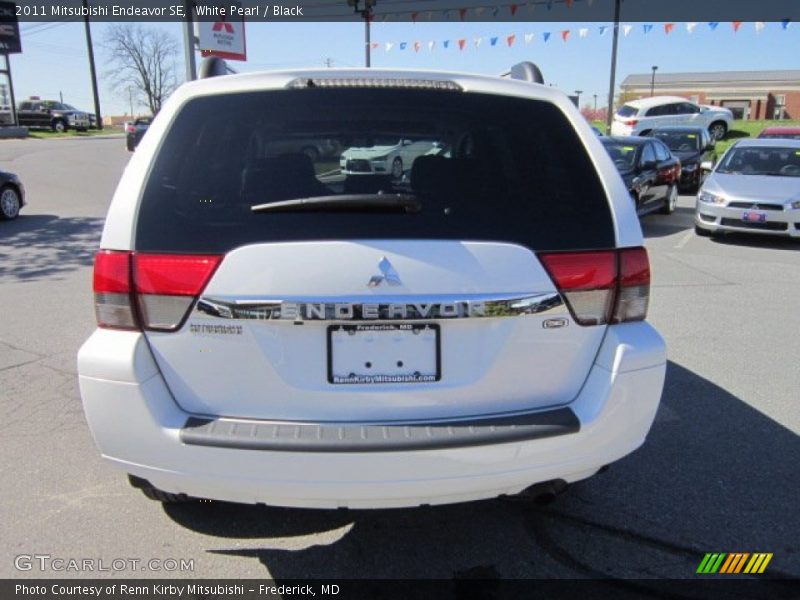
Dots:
(750, 216)
(386, 330)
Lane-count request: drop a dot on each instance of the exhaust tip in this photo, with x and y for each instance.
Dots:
(543, 493)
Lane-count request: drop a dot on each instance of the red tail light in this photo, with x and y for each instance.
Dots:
(631, 122)
(609, 286)
(130, 128)
(150, 291)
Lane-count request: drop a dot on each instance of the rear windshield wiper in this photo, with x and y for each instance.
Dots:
(407, 203)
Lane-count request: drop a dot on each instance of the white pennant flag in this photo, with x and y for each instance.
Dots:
(760, 26)
(528, 38)
(389, 46)
(478, 42)
(690, 27)
(583, 32)
(626, 29)
(431, 44)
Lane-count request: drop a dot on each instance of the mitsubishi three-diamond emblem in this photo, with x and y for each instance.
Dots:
(388, 274)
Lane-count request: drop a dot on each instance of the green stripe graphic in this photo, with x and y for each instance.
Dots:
(711, 563)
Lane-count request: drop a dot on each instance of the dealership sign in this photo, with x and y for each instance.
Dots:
(223, 36)
(9, 29)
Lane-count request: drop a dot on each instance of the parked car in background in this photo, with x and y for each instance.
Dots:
(650, 171)
(640, 117)
(134, 130)
(390, 157)
(784, 133)
(755, 187)
(49, 114)
(693, 146)
(12, 196)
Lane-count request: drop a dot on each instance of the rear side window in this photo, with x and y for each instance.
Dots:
(483, 167)
(627, 111)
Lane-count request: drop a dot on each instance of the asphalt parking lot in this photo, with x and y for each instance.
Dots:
(719, 472)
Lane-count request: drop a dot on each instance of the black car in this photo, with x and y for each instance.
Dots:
(12, 196)
(134, 130)
(693, 146)
(649, 170)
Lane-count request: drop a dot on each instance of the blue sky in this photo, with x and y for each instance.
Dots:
(54, 56)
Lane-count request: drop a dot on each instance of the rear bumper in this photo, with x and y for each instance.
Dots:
(138, 426)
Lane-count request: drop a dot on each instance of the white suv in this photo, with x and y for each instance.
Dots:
(272, 330)
(640, 117)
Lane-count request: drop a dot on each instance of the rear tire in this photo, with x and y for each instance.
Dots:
(10, 203)
(671, 202)
(717, 130)
(397, 168)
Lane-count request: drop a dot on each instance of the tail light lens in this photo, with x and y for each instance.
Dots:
(610, 286)
(130, 129)
(631, 122)
(148, 291)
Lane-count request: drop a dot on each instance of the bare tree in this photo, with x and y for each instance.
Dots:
(142, 58)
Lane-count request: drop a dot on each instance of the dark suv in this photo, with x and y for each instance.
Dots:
(49, 114)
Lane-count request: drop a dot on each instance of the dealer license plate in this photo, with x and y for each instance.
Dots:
(384, 353)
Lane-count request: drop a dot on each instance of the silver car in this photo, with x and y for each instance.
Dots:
(755, 188)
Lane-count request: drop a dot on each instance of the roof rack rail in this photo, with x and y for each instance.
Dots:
(214, 66)
(525, 71)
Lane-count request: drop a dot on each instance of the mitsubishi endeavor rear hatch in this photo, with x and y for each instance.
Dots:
(340, 253)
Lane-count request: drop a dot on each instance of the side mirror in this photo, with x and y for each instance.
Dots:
(706, 165)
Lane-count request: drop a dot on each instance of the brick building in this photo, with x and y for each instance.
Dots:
(748, 94)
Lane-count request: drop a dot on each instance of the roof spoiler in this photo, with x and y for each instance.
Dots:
(525, 71)
(214, 66)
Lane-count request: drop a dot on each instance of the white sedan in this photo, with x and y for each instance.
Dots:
(392, 159)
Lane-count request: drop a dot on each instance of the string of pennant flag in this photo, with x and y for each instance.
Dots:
(564, 34)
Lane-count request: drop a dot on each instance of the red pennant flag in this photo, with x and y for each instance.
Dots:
(462, 12)
(374, 45)
(513, 9)
(417, 46)
(565, 34)
(510, 40)
(568, 3)
(414, 16)
(736, 25)
(668, 27)
(461, 44)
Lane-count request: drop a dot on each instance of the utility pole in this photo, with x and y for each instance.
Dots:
(188, 41)
(366, 14)
(92, 70)
(611, 82)
(653, 80)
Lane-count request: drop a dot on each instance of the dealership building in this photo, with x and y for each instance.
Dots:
(748, 94)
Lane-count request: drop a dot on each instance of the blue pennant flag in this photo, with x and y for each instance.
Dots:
(546, 35)
(647, 28)
(493, 41)
(603, 29)
(446, 43)
(713, 25)
(785, 23)
(403, 45)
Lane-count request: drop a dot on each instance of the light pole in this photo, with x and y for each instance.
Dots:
(578, 95)
(366, 14)
(595, 102)
(653, 80)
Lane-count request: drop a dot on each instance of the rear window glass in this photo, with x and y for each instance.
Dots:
(679, 141)
(483, 167)
(627, 111)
